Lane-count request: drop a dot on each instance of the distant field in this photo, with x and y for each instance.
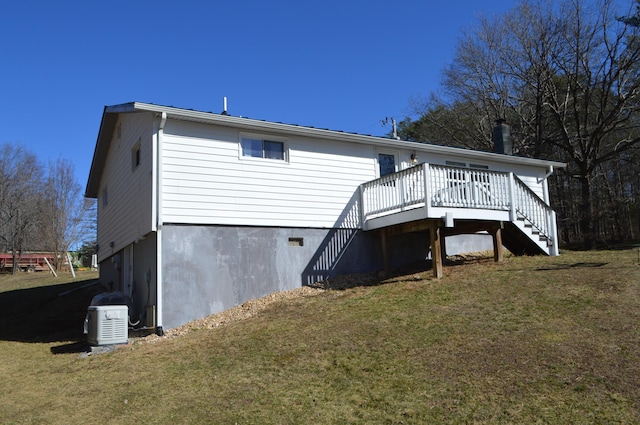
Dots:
(529, 340)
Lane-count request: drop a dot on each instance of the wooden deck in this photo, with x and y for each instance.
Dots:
(449, 200)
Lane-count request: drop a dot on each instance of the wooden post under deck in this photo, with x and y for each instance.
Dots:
(497, 245)
(436, 240)
(385, 250)
(435, 236)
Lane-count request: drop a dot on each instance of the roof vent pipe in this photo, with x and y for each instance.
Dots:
(502, 138)
(224, 106)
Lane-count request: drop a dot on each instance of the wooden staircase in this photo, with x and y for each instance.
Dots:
(521, 238)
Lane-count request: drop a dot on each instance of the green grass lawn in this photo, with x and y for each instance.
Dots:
(529, 340)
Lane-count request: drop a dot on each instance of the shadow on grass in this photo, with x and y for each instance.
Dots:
(571, 266)
(349, 281)
(72, 348)
(421, 270)
(46, 313)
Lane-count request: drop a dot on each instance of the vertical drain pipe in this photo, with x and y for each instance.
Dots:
(159, 300)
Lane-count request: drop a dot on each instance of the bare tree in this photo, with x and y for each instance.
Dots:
(20, 203)
(566, 77)
(38, 211)
(64, 209)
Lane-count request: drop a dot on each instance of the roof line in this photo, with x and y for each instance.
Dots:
(250, 123)
(110, 114)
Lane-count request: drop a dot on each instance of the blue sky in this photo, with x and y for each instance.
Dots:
(343, 65)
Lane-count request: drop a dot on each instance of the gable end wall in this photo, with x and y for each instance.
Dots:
(127, 216)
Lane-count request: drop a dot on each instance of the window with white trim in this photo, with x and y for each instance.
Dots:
(465, 165)
(262, 148)
(479, 166)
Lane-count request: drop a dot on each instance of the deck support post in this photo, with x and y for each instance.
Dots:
(497, 244)
(436, 240)
(385, 250)
(443, 246)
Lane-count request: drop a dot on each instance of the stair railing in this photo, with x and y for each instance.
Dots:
(456, 187)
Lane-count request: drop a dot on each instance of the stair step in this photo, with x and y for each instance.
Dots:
(526, 231)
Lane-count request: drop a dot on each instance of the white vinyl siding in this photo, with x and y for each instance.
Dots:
(204, 181)
(127, 215)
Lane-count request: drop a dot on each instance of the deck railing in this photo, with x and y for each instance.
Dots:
(444, 186)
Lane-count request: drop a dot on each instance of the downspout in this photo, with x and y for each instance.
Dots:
(158, 224)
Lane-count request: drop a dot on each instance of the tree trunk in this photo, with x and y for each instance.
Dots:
(15, 260)
(586, 214)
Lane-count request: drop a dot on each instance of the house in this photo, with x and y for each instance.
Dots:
(199, 212)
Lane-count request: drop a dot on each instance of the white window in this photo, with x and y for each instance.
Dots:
(479, 166)
(262, 148)
(465, 165)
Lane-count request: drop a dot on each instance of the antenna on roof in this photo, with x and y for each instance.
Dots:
(224, 106)
(394, 126)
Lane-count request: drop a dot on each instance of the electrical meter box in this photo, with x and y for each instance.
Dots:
(108, 324)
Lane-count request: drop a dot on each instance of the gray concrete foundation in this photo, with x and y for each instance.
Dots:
(208, 269)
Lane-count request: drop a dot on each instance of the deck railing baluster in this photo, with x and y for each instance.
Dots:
(444, 186)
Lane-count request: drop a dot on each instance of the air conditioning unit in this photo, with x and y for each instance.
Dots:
(108, 324)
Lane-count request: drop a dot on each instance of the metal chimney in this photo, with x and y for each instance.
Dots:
(502, 138)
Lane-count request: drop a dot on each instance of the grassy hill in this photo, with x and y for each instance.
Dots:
(529, 340)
